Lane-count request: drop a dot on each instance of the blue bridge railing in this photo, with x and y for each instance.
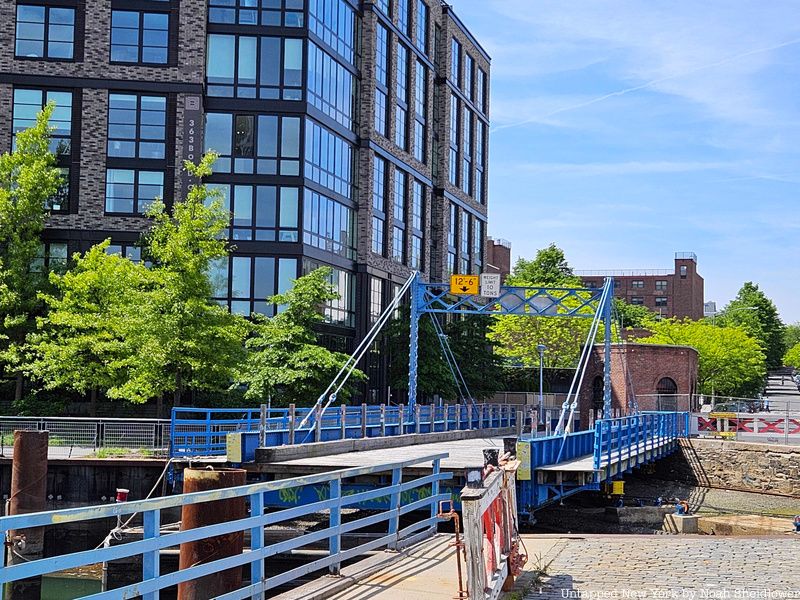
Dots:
(425, 497)
(621, 439)
(203, 432)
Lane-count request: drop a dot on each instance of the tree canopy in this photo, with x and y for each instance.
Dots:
(28, 178)
(731, 362)
(754, 312)
(284, 361)
(633, 315)
(791, 337)
(792, 357)
(517, 337)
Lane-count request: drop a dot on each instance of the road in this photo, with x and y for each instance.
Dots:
(782, 393)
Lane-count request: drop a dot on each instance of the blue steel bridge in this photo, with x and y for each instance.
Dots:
(397, 463)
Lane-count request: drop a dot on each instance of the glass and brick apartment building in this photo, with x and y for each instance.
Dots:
(352, 134)
(676, 292)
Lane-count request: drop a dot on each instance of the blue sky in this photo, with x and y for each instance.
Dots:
(624, 131)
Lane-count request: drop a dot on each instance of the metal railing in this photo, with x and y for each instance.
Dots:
(764, 428)
(620, 439)
(203, 432)
(76, 432)
(154, 540)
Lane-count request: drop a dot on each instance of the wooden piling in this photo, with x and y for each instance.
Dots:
(213, 548)
(28, 495)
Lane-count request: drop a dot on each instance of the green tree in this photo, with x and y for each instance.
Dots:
(753, 311)
(517, 337)
(792, 357)
(284, 360)
(792, 335)
(28, 178)
(183, 339)
(474, 354)
(731, 362)
(632, 315)
(549, 269)
(79, 344)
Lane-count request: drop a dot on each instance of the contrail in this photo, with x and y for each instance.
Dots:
(649, 84)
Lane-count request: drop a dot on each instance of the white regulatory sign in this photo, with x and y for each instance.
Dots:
(490, 285)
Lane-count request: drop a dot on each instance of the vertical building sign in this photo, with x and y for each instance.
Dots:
(192, 134)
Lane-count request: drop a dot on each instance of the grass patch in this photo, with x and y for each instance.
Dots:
(7, 440)
(128, 452)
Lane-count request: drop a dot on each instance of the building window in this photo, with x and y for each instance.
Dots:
(455, 62)
(399, 214)
(334, 21)
(661, 285)
(384, 6)
(375, 298)
(27, 104)
(378, 205)
(401, 96)
(464, 243)
(340, 311)
(132, 191)
(261, 212)
(422, 26)
(328, 225)
(598, 388)
(331, 87)
(137, 126)
(275, 13)
(683, 271)
(453, 162)
(268, 68)
(452, 226)
(661, 301)
(129, 251)
(480, 159)
(420, 111)
(638, 300)
(329, 159)
(667, 391)
(243, 283)
(381, 80)
(466, 152)
(477, 245)
(417, 224)
(254, 144)
(480, 92)
(469, 67)
(637, 284)
(403, 17)
(45, 32)
(52, 256)
(139, 37)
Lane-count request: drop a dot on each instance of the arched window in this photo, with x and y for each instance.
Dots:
(597, 393)
(667, 391)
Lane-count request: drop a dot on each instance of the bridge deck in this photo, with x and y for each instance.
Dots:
(585, 464)
(462, 454)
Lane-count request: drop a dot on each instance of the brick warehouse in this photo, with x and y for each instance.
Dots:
(352, 134)
(660, 377)
(670, 293)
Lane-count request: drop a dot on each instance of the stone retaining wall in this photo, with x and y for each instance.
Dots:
(742, 466)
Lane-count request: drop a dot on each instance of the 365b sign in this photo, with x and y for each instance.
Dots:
(192, 133)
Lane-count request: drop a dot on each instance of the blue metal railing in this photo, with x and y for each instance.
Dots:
(618, 439)
(153, 541)
(202, 432)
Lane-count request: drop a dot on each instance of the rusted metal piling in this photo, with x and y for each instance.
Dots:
(28, 495)
(213, 548)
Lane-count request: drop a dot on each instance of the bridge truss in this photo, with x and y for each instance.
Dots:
(554, 302)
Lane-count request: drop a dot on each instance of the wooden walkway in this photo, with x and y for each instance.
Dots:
(463, 454)
(585, 464)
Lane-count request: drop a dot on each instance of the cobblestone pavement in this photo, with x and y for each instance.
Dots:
(672, 568)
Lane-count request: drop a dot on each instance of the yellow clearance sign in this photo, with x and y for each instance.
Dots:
(464, 284)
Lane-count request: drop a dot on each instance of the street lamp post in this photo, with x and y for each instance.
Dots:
(541, 348)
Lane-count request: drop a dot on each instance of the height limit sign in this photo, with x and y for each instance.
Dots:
(490, 285)
(464, 284)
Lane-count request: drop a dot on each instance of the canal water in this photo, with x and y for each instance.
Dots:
(68, 588)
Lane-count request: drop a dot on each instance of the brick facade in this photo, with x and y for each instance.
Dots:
(636, 372)
(677, 293)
